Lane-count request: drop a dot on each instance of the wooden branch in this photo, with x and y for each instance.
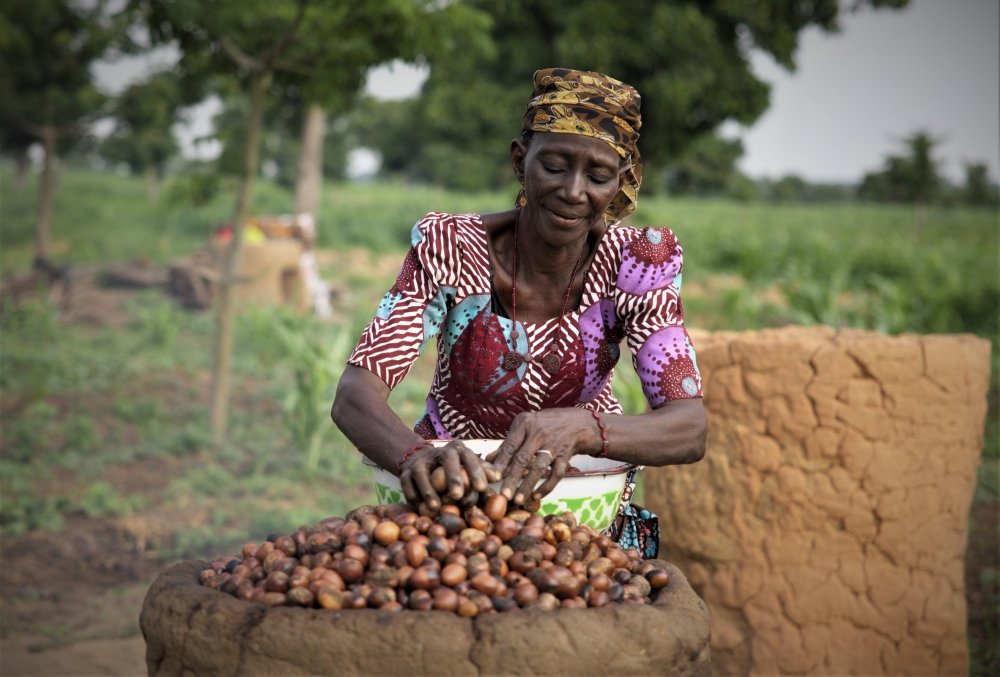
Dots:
(40, 131)
(242, 59)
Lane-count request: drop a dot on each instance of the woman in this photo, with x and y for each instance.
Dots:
(528, 308)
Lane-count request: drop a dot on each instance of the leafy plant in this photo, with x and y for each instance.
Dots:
(103, 500)
(21, 512)
(316, 369)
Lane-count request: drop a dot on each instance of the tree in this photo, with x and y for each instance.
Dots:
(144, 114)
(46, 88)
(913, 177)
(979, 191)
(16, 142)
(921, 178)
(706, 167)
(688, 58)
(322, 47)
(789, 188)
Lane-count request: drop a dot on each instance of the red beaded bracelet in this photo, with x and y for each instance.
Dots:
(412, 450)
(604, 432)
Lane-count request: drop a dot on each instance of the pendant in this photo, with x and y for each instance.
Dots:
(511, 360)
(551, 363)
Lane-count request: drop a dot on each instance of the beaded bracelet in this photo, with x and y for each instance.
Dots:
(604, 432)
(412, 450)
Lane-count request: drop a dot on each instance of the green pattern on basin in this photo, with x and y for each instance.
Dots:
(386, 495)
(596, 512)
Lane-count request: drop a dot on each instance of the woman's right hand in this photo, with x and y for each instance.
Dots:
(461, 466)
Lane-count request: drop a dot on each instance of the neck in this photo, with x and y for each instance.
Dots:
(539, 258)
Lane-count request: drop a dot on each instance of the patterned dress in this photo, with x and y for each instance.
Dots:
(631, 292)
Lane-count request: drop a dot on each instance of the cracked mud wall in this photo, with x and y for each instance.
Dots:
(826, 526)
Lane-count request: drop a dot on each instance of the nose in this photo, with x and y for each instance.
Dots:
(573, 187)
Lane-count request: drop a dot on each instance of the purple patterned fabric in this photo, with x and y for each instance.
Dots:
(650, 261)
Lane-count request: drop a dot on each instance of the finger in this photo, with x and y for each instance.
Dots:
(556, 473)
(538, 469)
(474, 466)
(493, 473)
(452, 463)
(501, 456)
(515, 472)
(420, 472)
(409, 489)
(505, 452)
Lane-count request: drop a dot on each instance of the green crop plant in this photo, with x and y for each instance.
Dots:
(316, 367)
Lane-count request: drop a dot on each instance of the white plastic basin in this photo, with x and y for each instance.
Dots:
(592, 490)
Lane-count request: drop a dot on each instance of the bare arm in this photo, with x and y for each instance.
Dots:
(361, 410)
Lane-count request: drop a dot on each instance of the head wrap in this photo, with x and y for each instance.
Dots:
(568, 101)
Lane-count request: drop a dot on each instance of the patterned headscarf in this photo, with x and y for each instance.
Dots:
(568, 101)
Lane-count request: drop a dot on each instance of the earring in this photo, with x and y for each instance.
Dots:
(521, 199)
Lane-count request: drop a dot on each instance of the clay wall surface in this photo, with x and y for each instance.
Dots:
(826, 526)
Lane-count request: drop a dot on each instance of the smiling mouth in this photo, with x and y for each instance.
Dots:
(565, 217)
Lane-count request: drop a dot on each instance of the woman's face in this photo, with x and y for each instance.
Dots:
(569, 180)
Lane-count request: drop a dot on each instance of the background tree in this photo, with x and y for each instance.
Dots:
(282, 129)
(789, 188)
(247, 41)
(15, 142)
(913, 177)
(144, 115)
(922, 178)
(688, 58)
(47, 48)
(706, 167)
(288, 43)
(979, 191)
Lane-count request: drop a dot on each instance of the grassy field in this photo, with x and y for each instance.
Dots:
(104, 426)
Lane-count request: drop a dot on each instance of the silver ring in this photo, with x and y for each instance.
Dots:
(542, 461)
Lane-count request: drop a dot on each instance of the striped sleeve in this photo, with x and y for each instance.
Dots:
(412, 312)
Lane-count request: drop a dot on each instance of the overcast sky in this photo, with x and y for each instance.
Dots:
(933, 66)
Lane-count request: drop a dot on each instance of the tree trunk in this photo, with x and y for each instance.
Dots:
(21, 164)
(226, 311)
(310, 179)
(46, 190)
(152, 175)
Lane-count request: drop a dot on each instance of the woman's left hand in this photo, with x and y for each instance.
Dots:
(539, 446)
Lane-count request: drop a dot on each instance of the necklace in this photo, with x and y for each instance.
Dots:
(552, 360)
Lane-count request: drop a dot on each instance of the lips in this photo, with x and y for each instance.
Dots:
(567, 217)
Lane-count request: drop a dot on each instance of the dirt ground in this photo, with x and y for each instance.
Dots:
(70, 600)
